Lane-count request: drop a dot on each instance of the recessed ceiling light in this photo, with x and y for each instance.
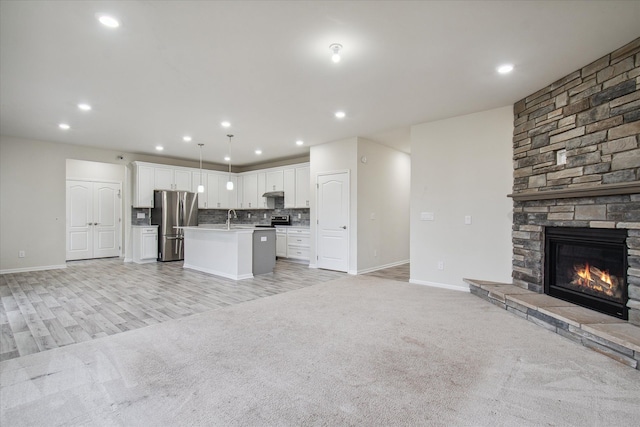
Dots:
(186, 138)
(299, 142)
(505, 68)
(225, 124)
(159, 147)
(227, 158)
(108, 21)
(258, 152)
(84, 107)
(64, 126)
(340, 114)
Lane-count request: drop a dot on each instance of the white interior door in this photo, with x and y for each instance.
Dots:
(93, 220)
(106, 219)
(79, 220)
(333, 221)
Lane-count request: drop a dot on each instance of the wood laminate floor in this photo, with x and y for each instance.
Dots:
(399, 273)
(42, 310)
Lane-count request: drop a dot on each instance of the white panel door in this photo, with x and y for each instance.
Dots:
(79, 220)
(333, 221)
(106, 219)
(93, 220)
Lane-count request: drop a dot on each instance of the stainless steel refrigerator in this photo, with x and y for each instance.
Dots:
(171, 209)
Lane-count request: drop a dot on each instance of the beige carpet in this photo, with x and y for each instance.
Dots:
(353, 351)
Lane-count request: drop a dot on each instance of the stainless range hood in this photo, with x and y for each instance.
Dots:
(273, 194)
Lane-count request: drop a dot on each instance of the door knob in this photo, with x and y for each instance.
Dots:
(95, 223)
(344, 227)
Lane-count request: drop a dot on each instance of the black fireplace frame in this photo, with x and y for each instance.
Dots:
(613, 238)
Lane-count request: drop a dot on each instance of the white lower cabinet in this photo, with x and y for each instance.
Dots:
(145, 244)
(281, 242)
(298, 243)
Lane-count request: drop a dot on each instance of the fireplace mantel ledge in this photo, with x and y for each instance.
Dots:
(568, 193)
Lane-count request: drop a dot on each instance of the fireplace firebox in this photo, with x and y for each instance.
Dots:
(588, 267)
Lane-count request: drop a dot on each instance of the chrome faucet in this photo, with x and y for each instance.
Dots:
(235, 215)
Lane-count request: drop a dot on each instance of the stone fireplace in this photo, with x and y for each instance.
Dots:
(588, 267)
(577, 166)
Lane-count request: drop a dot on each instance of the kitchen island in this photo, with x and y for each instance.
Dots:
(237, 253)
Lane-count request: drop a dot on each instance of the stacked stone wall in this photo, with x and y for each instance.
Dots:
(594, 115)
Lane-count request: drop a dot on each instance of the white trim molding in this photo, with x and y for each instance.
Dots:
(382, 267)
(463, 288)
(28, 269)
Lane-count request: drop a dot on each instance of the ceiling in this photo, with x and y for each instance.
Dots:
(176, 68)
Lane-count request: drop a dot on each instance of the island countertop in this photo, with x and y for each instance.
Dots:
(236, 253)
(223, 227)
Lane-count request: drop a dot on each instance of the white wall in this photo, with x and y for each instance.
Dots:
(335, 157)
(462, 166)
(381, 187)
(383, 206)
(32, 197)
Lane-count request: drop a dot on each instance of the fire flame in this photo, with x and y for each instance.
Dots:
(595, 279)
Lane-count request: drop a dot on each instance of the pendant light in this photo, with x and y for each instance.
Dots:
(200, 187)
(229, 182)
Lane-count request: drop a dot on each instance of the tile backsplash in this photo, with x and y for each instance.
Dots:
(254, 216)
(245, 216)
(140, 221)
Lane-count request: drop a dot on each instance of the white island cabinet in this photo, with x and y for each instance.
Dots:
(237, 253)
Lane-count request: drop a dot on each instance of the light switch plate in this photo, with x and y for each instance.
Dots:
(263, 238)
(467, 219)
(427, 216)
(140, 215)
(561, 157)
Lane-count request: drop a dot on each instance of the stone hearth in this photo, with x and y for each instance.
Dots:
(612, 337)
(591, 118)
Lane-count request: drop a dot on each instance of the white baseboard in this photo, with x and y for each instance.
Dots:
(313, 266)
(27, 269)
(440, 285)
(382, 267)
(127, 260)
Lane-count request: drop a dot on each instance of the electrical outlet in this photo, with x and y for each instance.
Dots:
(440, 265)
(249, 215)
(299, 216)
(21, 254)
(265, 216)
(467, 219)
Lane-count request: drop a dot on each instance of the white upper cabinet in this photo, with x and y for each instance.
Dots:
(263, 202)
(289, 188)
(250, 192)
(143, 185)
(303, 181)
(247, 192)
(195, 181)
(212, 190)
(182, 179)
(275, 181)
(163, 178)
(227, 199)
